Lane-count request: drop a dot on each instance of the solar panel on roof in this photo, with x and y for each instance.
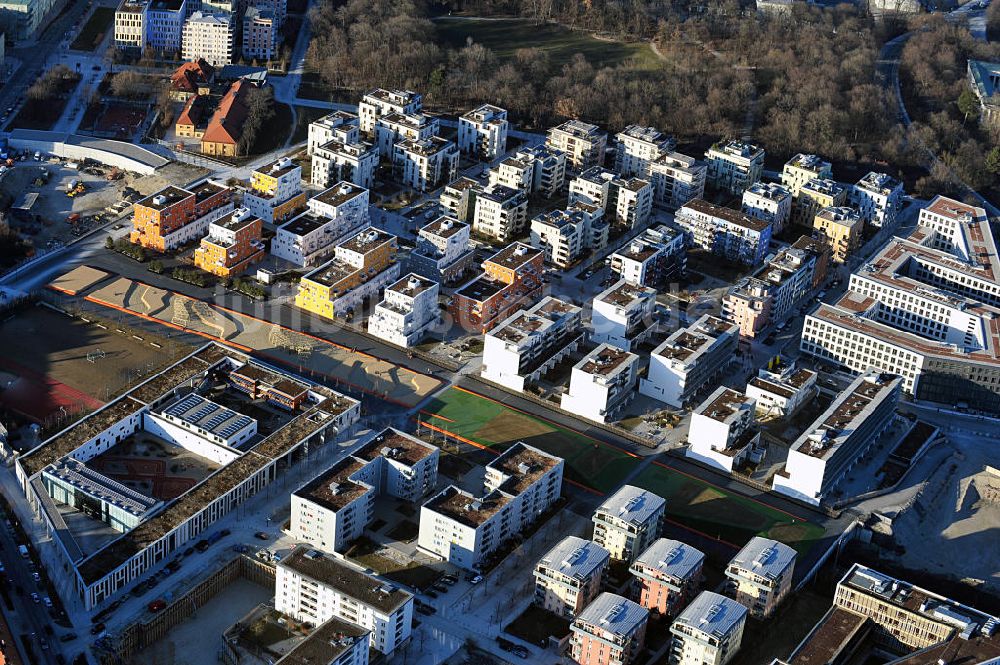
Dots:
(217, 420)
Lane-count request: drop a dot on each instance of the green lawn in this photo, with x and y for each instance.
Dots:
(94, 29)
(719, 514)
(505, 36)
(491, 424)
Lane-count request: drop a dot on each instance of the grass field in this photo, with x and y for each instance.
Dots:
(718, 514)
(505, 36)
(491, 424)
(94, 29)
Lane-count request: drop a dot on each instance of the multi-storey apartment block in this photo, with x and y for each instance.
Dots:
(734, 165)
(233, 243)
(636, 148)
(878, 197)
(408, 311)
(500, 212)
(211, 36)
(622, 315)
(569, 576)
(340, 126)
(690, 357)
(583, 144)
(260, 35)
(708, 632)
(536, 170)
(820, 251)
(275, 192)
(654, 259)
(780, 388)
(566, 235)
(833, 444)
(531, 342)
(425, 164)
(612, 629)
(725, 232)
(315, 587)
(310, 237)
(601, 384)
(130, 25)
(769, 202)
(164, 25)
(338, 153)
(458, 198)
(361, 266)
(510, 277)
(333, 509)
(465, 530)
(760, 575)
(666, 575)
(772, 293)
(393, 128)
(173, 216)
(723, 432)
(676, 179)
(179, 411)
(628, 522)
(815, 195)
(626, 202)
(482, 132)
(442, 252)
(842, 229)
(379, 102)
(802, 168)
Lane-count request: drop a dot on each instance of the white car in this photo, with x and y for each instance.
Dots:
(47, 602)
(35, 598)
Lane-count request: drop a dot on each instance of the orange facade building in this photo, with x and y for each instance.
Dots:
(173, 216)
(510, 277)
(233, 243)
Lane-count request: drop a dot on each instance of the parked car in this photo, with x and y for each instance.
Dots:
(262, 535)
(431, 593)
(68, 637)
(97, 628)
(47, 602)
(35, 598)
(201, 545)
(35, 576)
(440, 588)
(157, 605)
(473, 578)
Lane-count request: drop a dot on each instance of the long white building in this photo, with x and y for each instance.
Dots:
(408, 311)
(723, 432)
(690, 357)
(311, 237)
(725, 232)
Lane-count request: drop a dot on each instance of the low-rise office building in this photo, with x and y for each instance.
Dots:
(688, 359)
(666, 575)
(531, 342)
(569, 576)
(232, 245)
(760, 575)
(734, 165)
(769, 202)
(622, 315)
(627, 523)
(612, 629)
(708, 632)
(442, 252)
(408, 311)
(482, 132)
(655, 258)
(832, 445)
(676, 179)
(723, 432)
(582, 143)
(276, 193)
(310, 238)
(725, 232)
(842, 229)
(601, 384)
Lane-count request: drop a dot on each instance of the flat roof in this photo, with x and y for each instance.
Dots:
(624, 294)
(726, 214)
(328, 571)
(523, 465)
(166, 197)
(723, 404)
(515, 255)
(836, 631)
(366, 240)
(333, 489)
(606, 360)
(304, 224)
(279, 167)
(398, 446)
(339, 194)
(461, 506)
(206, 415)
(443, 227)
(481, 288)
(326, 643)
(412, 285)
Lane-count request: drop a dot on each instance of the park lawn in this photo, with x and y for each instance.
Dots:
(94, 29)
(719, 514)
(505, 36)
(493, 425)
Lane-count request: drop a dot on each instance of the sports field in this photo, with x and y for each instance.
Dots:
(720, 515)
(488, 423)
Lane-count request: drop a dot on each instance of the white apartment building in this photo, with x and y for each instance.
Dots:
(654, 258)
(529, 343)
(734, 165)
(725, 232)
(769, 202)
(465, 530)
(275, 191)
(442, 252)
(164, 25)
(458, 198)
(601, 384)
(568, 577)
(612, 629)
(723, 432)
(309, 238)
(622, 315)
(637, 147)
(842, 434)
(379, 102)
(676, 179)
(627, 523)
(878, 197)
(802, 168)
(312, 586)
(335, 160)
(500, 212)
(260, 35)
(760, 575)
(340, 126)
(666, 575)
(566, 235)
(780, 388)
(482, 132)
(427, 164)
(408, 311)
(708, 632)
(583, 144)
(333, 509)
(536, 170)
(393, 128)
(627, 202)
(690, 357)
(130, 25)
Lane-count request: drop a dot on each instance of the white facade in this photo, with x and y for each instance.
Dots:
(539, 169)
(500, 212)
(769, 202)
(379, 102)
(734, 165)
(408, 311)
(723, 430)
(690, 357)
(394, 128)
(354, 162)
(626, 201)
(676, 179)
(283, 180)
(482, 132)
(309, 238)
(628, 522)
(164, 25)
(427, 164)
(337, 126)
(878, 198)
(622, 315)
(583, 144)
(725, 232)
(653, 258)
(601, 384)
(781, 388)
(759, 577)
(566, 235)
(637, 147)
(708, 632)
(442, 252)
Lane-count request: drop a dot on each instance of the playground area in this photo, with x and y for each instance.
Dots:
(486, 423)
(152, 466)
